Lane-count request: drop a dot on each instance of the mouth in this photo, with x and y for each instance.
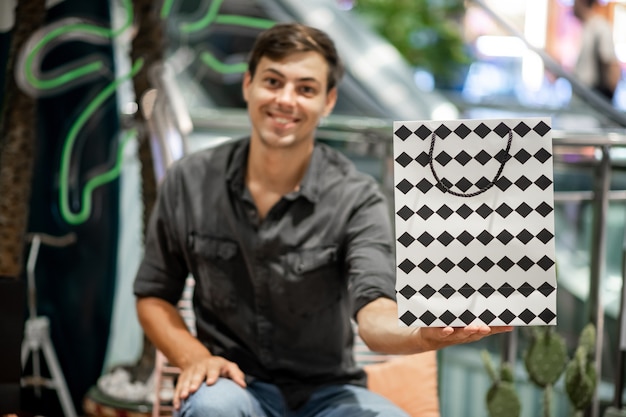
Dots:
(283, 121)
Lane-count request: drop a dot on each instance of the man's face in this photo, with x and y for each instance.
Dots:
(287, 98)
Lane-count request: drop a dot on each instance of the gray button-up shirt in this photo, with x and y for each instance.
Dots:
(275, 296)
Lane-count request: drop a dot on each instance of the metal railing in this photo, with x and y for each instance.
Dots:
(372, 138)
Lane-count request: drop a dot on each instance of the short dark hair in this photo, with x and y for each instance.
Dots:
(284, 39)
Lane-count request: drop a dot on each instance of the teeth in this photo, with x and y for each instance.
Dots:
(282, 120)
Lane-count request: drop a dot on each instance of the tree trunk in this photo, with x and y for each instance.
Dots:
(147, 44)
(18, 132)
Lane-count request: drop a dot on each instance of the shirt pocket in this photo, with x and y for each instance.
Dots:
(215, 265)
(312, 280)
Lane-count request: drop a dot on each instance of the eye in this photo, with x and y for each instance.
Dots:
(271, 82)
(308, 90)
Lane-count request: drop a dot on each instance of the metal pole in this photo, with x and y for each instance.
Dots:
(598, 255)
(30, 272)
(509, 347)
(619, 378)
(37, 329)
(616, 408)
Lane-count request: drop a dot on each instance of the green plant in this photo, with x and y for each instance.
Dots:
(580, 373)
(545, 359)
(502, 399)
(426, 32)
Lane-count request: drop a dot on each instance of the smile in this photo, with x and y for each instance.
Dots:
(283, 120)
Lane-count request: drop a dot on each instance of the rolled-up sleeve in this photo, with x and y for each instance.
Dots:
(370, 257)
(163, 270)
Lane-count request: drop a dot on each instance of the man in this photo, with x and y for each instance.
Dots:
(597, 65)
(287, 242)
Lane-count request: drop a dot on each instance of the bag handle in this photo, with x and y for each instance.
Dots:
(446, 189)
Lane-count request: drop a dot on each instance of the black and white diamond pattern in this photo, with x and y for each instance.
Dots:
(465, 238)
(505, 289)
(488, 258)
(498, 318)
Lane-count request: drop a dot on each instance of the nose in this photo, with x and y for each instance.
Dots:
(286, 96)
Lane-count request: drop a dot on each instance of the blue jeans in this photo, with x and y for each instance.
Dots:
(259, 399)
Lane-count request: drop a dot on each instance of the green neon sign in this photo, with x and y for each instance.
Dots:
(213, 15)
(98, 180)
(75, 30)
(81, 71)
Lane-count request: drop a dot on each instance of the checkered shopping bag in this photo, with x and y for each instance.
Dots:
(474, 219)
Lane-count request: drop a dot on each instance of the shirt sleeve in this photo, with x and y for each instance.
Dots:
(606, 46)
(163, 270)
(370, 258)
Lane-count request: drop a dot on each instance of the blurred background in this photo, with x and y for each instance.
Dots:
(99, 97)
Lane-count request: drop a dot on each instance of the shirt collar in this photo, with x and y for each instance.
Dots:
(309, 187)
(236, 168)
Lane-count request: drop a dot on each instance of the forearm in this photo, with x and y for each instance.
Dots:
(164, 326)
(378, 327)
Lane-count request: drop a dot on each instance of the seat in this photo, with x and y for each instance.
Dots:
(164, 376)
(408, 381)
(165, 373)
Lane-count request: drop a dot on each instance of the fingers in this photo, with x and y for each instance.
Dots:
(233, 372)
(181, 391)
(447, 331)
(482, 330)
(440, 337)
(206, 371)
(501, 329)
(212, 375)
(188, 383)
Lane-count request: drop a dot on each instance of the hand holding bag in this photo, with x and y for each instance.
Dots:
(474, 220)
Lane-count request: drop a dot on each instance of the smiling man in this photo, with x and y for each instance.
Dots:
(287, 243)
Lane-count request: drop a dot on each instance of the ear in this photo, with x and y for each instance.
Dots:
(331, 99)
(247, 79)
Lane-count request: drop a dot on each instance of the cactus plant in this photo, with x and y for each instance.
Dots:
(545, 360)
(580, 373)
(502, 399)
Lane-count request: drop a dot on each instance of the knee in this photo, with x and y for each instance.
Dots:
(222, 399)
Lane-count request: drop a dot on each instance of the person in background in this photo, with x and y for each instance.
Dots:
(288, 243)
(597, 65)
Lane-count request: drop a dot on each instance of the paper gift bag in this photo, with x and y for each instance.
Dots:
(474, 219)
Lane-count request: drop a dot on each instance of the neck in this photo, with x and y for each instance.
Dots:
(278, 171)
